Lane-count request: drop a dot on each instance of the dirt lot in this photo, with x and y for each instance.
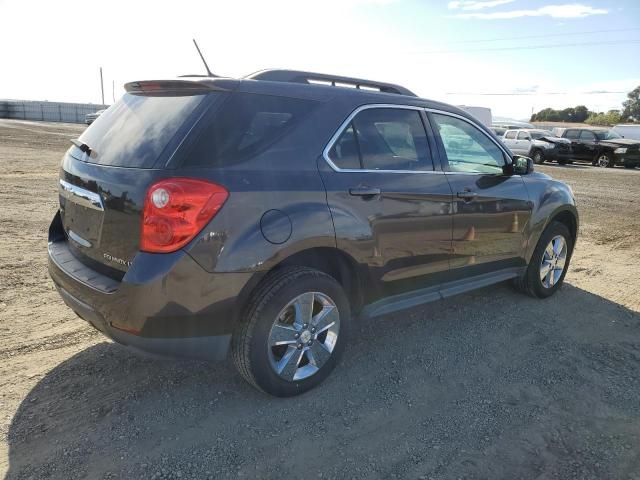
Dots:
(491, 384)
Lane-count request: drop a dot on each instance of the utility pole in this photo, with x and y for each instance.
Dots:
(101, 86)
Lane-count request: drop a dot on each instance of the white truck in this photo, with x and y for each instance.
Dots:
(631, 131)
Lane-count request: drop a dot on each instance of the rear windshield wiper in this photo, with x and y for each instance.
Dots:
(84, 148)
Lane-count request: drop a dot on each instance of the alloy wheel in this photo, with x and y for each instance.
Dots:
(303, 336)
(553, 261)
(603, 161)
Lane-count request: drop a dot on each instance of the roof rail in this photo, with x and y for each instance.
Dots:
(294, 76)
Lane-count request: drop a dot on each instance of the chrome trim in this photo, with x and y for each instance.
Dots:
(81, 196)
(78, 239)
(345, 124)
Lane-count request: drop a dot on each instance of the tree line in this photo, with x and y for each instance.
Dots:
(630, 112)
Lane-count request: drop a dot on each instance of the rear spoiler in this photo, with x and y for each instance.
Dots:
(173, 87)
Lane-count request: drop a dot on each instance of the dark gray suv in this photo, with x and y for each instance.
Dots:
(262, 215)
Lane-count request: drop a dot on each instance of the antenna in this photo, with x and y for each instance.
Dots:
(203, 60)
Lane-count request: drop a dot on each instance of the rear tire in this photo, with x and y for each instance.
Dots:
(283, 345)
(543, 277)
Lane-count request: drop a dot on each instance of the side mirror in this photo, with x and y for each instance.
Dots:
(522, 165)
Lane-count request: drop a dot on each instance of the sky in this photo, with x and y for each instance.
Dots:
(514, 56)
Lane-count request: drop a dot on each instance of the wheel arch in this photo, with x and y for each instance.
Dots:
(569, 219)
(330, 260)
(565, 213)
(335, 263)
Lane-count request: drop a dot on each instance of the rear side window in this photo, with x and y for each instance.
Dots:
(511, 134)
(384, 139)
(244, 126)
(572, 134)
(587, 135)
(135, 130)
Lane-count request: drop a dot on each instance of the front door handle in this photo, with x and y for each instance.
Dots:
(364, 191)
(467, 195)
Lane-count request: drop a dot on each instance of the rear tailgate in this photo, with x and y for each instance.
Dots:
(106, 172)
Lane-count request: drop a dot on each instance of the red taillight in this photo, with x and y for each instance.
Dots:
(175, 210)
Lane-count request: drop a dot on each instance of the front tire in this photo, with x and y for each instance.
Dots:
(549, 263)
(293, 332)
(538, 157)
(605, 160)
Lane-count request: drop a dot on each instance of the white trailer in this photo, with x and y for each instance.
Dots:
(482, 114)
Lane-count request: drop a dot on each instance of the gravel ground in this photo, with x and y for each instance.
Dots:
(491, 384)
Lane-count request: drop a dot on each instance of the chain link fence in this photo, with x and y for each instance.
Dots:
(47, 111)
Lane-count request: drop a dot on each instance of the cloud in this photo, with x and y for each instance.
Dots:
(476, 5)
(573, 10)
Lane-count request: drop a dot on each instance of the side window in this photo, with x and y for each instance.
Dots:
(511, 134)
(587, 135)
(523, 136)
(468, 149)
(572, 134)
(344, 153)
(392, 139)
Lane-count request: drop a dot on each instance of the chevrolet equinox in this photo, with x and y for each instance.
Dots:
(260, 215)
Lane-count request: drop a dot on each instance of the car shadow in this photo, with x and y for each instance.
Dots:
(488, 384)
(575, 165)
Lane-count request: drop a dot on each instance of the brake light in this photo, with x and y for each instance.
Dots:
(175, 210)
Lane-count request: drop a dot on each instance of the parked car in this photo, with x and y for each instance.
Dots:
(511, 124)
(89, 118)
(603, 147)
(631, 131)
(263, 215)
(540, 145)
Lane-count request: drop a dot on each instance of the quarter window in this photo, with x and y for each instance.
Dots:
(245, 126)
(467, 148)
(383, 139)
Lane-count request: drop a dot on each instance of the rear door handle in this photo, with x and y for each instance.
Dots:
(364, 191)
(467, 195)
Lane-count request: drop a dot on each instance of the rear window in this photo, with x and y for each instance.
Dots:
(135, 130)
(244, 126)
(539, 135)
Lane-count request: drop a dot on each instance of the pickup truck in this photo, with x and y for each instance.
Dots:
(602, 147)
(540, 145)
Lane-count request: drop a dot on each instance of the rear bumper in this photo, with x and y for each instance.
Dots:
(165, 304)
(212, 348)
